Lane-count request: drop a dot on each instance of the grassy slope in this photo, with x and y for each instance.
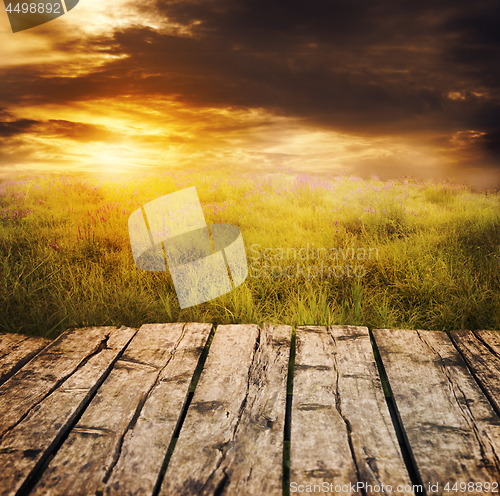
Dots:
(435, 261)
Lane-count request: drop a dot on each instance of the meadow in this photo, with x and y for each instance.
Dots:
(337, 250)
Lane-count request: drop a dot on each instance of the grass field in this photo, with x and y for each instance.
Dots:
(342, 250)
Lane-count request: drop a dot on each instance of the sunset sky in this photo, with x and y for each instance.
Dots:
(372, 87)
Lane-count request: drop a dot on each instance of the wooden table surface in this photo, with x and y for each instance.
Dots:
(187, 409)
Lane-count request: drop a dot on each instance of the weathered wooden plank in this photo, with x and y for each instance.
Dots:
(87, 458)
(145, 444)
(232, 438)
(58, 361)
(479, 349)
(25, 448)
(452, 429)
(16, 351)
(491, 339)
(342, 433)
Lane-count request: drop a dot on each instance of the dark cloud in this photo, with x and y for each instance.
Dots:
(377, 67)
(53, 128)
(372, 68)
(78, 131)
(13, 128)
(492, 142)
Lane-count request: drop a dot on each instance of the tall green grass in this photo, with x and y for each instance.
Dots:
(65, 257)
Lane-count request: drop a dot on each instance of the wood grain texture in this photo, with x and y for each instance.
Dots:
(88, 456)
(232, 438)
(452, 429)
(145, 444)
(491, 339)
(16, 351)
(342, 431)
(25, 448)
(481, 351)
(51, 367)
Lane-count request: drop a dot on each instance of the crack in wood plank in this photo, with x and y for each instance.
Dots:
(342, 432)
(227, 446)
(234, 429)
(338, 406)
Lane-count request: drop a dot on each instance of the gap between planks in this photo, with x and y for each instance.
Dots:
(341, 379)
(342, 432)
(47, 396)
(452, 429)
(232, 438)
(133, 436)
